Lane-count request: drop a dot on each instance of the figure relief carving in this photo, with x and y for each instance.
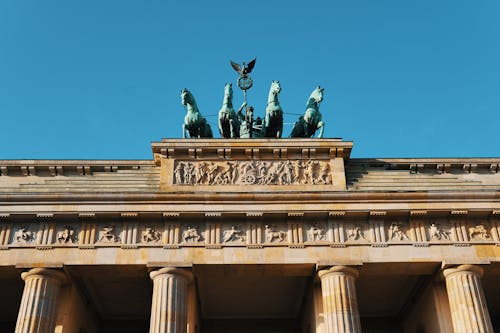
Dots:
(355, 233)
(296, 172)
(191, 235)
(107, 235)
(235, 234)
(23, 235)
(478, 232)
(316, 233)
(66, 236)
(437, 232)
(150, 235)
(396, 233)
(274, 235)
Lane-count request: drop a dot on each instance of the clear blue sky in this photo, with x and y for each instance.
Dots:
(102, 79)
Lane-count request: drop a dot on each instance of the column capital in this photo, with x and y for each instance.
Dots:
(463, 269)
(339, 270)
(45, 273)
(186, 274)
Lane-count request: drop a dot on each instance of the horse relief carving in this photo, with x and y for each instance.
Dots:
(66, 236)
(478, 232)
(274, 235)
(23, 235)
(191, 235)
(316, 233)
(297, 172)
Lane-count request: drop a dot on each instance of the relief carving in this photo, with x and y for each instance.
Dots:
(191, 235)
(478, 232)
(235, 234)
(107, 235)
(150, 235)
(355, 233)
(23, 235)
(66, 236)
(436, 231)
(273, 234)
(297, 172)
(395, 232)
(316, 233)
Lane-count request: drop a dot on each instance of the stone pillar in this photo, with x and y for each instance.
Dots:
(340, 307)
(170, 297)
(469, 312)
(38, 304)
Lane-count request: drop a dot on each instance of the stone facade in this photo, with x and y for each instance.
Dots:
(255, 235)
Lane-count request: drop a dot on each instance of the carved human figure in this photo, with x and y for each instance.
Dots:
(324, 174)
(191, 235)
(233, 234)
(272, 234)
(108, 235)
(310, 172)
(150, 235)
(286, 172)
(200, 172)
(355, 233)
(178, 173)
(23, 235)
(212, 172)
(66, 236)
(188, 173)
(478, 232)
(395, 232)
(437, 232)
(316, 233)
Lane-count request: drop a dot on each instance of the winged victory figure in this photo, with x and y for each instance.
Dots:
(244, 68)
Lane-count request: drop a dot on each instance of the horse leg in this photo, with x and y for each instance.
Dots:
(321, 127)
(183, 131)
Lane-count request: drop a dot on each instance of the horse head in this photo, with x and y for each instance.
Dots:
(275, 87)
(317, 95)
(228, 92)
(186, 97)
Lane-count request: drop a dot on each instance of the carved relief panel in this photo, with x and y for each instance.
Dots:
(253, 172)
(234, 234)
(316, 232)
(193, 234)
(357, 232)
(276, 233)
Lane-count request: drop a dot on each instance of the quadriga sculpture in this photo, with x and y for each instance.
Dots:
(194, 123)
(273, 121)
(311, 121)
(229, 125)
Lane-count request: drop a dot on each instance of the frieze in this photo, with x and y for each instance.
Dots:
(254, 232)
(253, 172)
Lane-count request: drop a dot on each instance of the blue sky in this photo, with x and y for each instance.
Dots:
(102, 79)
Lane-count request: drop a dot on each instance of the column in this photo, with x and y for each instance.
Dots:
(170, 296)
(38, 304)
(340, 307)
(469, 312)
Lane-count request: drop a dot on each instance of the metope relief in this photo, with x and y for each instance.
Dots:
(150, 234)
(66, 236)
(316, 233)
(191, 234)
(23, 235)
(235, 233)
(396, 232)
(478, 233)
(108, 235)
(274, 234)
(438, 232)
(355, 232)
(254, 172)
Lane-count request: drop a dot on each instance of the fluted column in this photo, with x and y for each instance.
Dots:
(170, 296)
(38, 304)
(469, 312)
(340, 307)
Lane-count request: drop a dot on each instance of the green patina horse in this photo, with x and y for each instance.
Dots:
(311, 121)
(273, 121)
(229, 125)
(194, 123)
